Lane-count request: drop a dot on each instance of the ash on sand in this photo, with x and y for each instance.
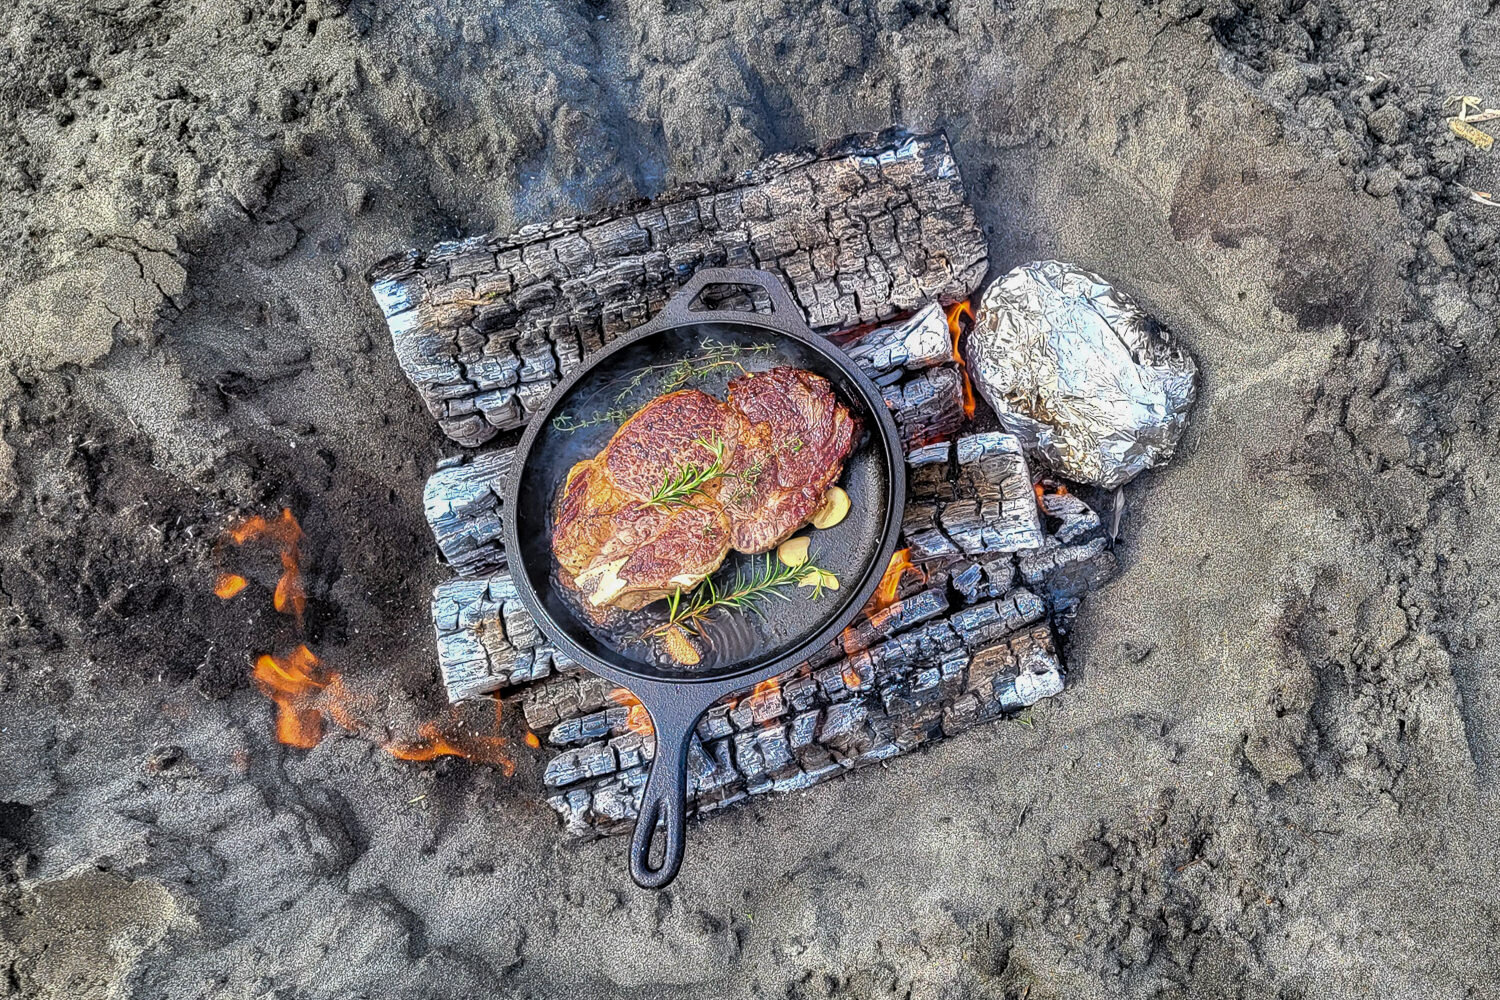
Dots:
(1276, 772)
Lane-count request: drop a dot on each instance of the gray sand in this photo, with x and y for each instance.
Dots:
(1276, 769)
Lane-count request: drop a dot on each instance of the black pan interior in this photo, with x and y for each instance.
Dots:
(581, 422)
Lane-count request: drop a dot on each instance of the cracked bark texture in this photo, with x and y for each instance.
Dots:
(484, 327)
(963, 644)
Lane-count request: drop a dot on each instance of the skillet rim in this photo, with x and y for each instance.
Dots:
(730, 677)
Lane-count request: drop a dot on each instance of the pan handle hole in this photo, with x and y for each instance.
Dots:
(732, 297)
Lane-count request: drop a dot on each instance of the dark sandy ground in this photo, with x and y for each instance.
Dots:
(1275, 773)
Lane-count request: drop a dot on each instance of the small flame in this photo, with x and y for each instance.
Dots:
(1052, 489)
(956, 313)
(766, 687)
(639, 720)
(228, 585)
(890, 580)
(434, 741)
(453, 738)
(851, 677)
(307, 694)
(293, 683)
(284, 532)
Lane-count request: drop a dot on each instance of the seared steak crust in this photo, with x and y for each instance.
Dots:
(783, 437)
(801, 435)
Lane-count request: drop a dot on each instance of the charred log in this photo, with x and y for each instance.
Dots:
(919, 341)
(484, 327)
(931, 682)
(486, 639)
(971, 498)
(462, 503)
(929, 406)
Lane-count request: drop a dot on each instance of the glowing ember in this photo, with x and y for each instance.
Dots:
(851, 677)
(532, 740)
(639, 720)
(1051, 489)
(956, 314)
(766, 687)
(293, 683)
(228, 585)
(890, 580)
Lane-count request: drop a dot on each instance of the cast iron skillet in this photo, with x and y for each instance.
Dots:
(857, 550)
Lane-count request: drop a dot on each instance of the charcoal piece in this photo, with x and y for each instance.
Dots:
(986, 623)
(919, 341)
(486, 640)
(980, 578)
(463, 507)
(1007, 677)
(872, 626)
(565, 696)
(980, 504)
(1076, 518)
(484, 327)
(927, 406)
(1064, 572)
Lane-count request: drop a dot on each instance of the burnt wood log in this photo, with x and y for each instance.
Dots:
(928, 683)
(486, 639)
(463, 507)
(484, 327)
(972, 497)
(929, 406)
(920, 341)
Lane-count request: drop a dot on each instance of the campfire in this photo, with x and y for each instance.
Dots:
(965, 623)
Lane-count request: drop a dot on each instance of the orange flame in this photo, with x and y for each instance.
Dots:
(306, 694)
(1054, 489)
(284, 532)
(454, 739)
(639, 720)
(766, 687)
(890, 580)
(851, 677)
(433, 741)
(956, 313)
(293, 683)
(228, 585)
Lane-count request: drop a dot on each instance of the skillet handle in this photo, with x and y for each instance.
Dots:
(664, 801)
(785, 311)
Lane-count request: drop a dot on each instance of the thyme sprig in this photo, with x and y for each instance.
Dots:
(666, 376)
(752, 586)
(689, 478)
(747, 480)
(568, 423)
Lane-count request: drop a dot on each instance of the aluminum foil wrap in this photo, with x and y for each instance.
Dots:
(1091, 385)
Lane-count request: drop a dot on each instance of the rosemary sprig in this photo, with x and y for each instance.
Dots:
(689, 478)
(750, 589)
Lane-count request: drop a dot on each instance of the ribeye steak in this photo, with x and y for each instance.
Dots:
(781, 440)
